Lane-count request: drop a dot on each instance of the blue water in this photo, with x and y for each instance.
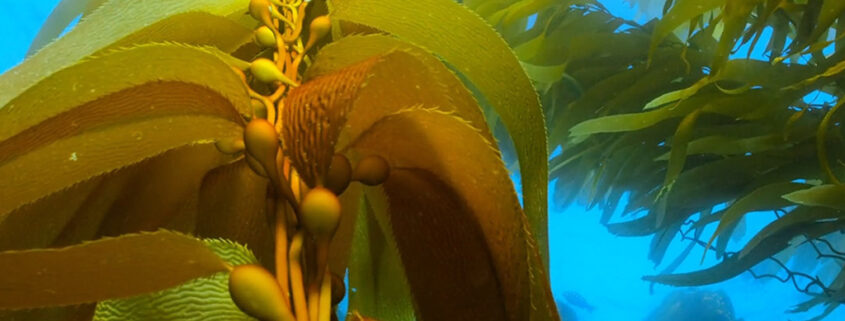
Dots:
(604, 269)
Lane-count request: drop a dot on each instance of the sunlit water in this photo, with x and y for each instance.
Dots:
(603, 269)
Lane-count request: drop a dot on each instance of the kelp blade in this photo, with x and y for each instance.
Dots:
(203, 299)
(464, 40)
(150, 112)
(427, 141)
(432, 186)
(110, 24)
(376, 271)
(91, 271)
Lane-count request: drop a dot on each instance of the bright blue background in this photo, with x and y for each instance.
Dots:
(604, 269)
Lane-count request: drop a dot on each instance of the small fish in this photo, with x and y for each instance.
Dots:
(577, 300)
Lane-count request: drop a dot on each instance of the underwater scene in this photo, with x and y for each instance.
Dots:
(381, 160)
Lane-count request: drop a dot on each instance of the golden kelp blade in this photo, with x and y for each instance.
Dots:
(202, 299)
(309, 118)
(114, 22)
(371, 85)
(465, 41)
(233, 205)
(117, 70)
(90, 272)
(65, 161)
(444, 88)
(465, 251)
(54, 124)
(155, 193)
(313, 117)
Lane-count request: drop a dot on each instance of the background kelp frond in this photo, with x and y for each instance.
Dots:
(677, 117)
(153, 123)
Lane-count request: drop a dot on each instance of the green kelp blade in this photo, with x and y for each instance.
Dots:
(60, 18)
(681, 11)
(376, 271)
(737, 264)
(88, 272)
(120, 19)
(465, 41)
(203, 299)
(828, 195)
(767, 197)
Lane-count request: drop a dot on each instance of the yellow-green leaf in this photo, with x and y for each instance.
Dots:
(61, 16)
(682, 11)
(127, 22)
(89, 272)
(376, 271)
(764, 198)
(828, 195)
(118, 70)
(677, 159)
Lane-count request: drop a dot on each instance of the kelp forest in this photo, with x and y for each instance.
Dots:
(392, 160)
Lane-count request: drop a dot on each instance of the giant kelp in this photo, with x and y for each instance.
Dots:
(242, 122)
(671, 116)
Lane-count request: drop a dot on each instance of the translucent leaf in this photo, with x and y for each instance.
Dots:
(737, 264)
(678, 94)
(725, 146)
(792, 221)
(105, 125)
(196, 300)
(682, 11)
(544, 74)
(677, 158)
(764, 198)
(735, 18)
(89, 271)
(828, 195)
(127, 22)
(830, 11)
(342, 241)
(62, 15)
(65, 90)
(377, 282)
(522, 9)
(451, 31)
(751, 105)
